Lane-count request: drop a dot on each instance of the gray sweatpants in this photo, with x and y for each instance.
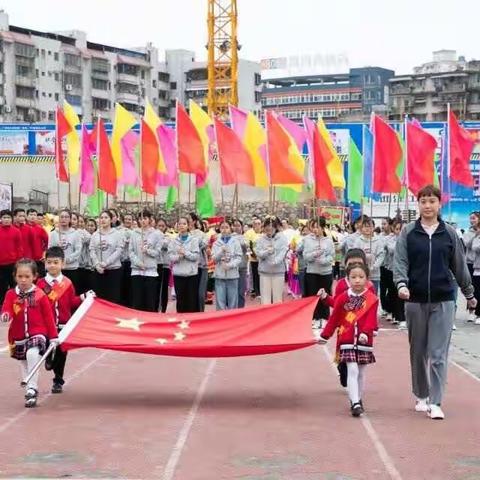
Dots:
(429, 333)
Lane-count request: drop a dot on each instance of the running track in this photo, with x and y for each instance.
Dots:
(126, 416)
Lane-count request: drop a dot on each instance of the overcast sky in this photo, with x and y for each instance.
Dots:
(393, 34)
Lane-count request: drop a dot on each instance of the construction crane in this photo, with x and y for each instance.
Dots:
(222, 57)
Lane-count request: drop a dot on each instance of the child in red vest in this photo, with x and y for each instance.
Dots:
(354, 317)
(27, 309)
(63, 303)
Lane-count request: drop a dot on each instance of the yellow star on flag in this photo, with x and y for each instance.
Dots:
(179, 336)
(184, 324)
(132, 323)
(161, 341)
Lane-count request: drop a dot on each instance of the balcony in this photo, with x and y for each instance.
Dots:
(127, 78)
(100, 74)
(25, 102)
(25, 81)
(128, 98)
(105, 94)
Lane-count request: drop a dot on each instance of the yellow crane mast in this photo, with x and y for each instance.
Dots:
(222, 57)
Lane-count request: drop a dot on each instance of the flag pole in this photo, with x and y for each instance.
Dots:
(98, 163)
(57, 166)
(449, 182)
(407, 183)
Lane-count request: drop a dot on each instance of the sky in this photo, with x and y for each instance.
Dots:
(386, 33)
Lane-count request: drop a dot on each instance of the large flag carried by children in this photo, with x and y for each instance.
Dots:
(230, 333)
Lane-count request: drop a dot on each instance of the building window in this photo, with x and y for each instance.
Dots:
(100, 103)
(258, 97)
(99, 84)
(100, 67)
(57, 97)
(258, 79)
(55, 56)
(173, 85)
(72, 60)
(23, 50)
(50, 52)
(44, 94)
(127, 69)
(73, 79)
(49, 74)
(154, 83)
(24, 71)
(74, 99)
(43, 74)
(51, 115)
(56, 77)
(49, 95)
(163, 77)
(25, 92)
(127, 88)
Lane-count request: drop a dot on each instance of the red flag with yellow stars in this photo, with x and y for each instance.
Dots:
(230, 333)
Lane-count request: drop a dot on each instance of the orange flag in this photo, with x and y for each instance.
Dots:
(191, 152)
(62, 128)
(107, 176)
(280, 154)
(150, 158)
(323, 184)
(235, 163)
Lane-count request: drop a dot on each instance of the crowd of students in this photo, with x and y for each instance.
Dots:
(140, 261)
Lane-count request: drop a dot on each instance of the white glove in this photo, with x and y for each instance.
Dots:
(363, 338)
(404, 293)
(54, 342)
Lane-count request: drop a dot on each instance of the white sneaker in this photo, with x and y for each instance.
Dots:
(477, 320)
(436, 413)
(402, 326)
(421, 405)
(471, 317)
(454, 327)
(316, 324)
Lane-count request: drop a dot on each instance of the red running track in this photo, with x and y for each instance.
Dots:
(126, 416)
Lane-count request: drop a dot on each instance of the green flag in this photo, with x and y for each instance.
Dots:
(288, 195)
(355, 174)
(95, 204)
(133, 191)
(401, 167)
(204, 201)
(171, 198)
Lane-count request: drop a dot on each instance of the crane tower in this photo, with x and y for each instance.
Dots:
(222, 57)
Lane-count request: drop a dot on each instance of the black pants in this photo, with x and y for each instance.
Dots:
(74, 276)
(313, 283)
(85, 280)
(186, 290)
(255, 278)
(108, 284)
(144, 293)
(126, 292)
(6, 280)
(386, 284)
(163, 284)
(396, 304)
(59, 361)
(476, 285)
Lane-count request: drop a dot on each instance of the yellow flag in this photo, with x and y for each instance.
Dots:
(334, 166)
(73, 139)
(153, 121)
(202, 122)
(254, 140)
(124, 121)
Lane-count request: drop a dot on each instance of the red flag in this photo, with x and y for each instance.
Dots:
(107, 174)
(321, 155)
(235, 164)
(249, 331)
(421, 148)
(150, 160)
(191, 154)
(62, 128)
(461, 146)
(281, 168)
(387, 157)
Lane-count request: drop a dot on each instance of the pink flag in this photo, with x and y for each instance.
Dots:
(128, 145)
(166, 140)
(87, 175)
(298, 134)
(238, 120)
(310, 128)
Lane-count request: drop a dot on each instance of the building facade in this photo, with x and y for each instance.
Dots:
(447, 79)
(335, 97)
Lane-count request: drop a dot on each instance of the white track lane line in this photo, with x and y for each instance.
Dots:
(20, 415)
(371, 432)
(173, 459)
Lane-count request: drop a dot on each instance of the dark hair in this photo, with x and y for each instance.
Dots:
(355, 253)
(31, 210)
(227, 221)
(26, 262)
(368, 221)
(93, 221)
(108, 212)
(429, 191)
(55, 252)
(396, 221)
(17, 211)
(66, 210)
(144, 214)
(320, 222)
(361, 266)
(161, 219)
(6, 213)
(40, 214)
(237, 220)
(123, 215)
(273, 221)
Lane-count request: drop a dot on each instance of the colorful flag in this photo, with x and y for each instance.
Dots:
(298, 134)
(62, 128)
(95, 204)
(73, 140)
(285, 163)
(267, 329)
(334, 164)
(166, 139)
(420, 156)
(122, 123)
(204, 202)
(150, 157)
(172, 196)
(153, 121)
(387, 155)
(355, 173)
(204, 125)
(129, 144)
(235, 163)
(323, 185)
(87, 177)
(460, 150)
(367, 162)
(190, 149)
(107, 179)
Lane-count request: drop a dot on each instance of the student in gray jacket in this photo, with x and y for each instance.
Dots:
(143, 249)
(319, 253)
(468, 237)
(70, 241)
(227, 255)
(184, 253)
(271, 250)
(106, 247)
(237, 228)
(163, 266)
(197, 230)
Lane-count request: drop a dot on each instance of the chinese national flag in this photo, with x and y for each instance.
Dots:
(62, 128)
(250, 331)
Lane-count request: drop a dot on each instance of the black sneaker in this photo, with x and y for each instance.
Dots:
(357, 409)
(57, 388)
(342, 370)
